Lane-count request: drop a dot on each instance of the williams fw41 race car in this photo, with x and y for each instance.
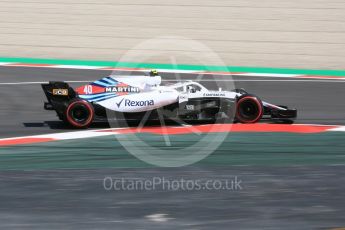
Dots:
(133, 97)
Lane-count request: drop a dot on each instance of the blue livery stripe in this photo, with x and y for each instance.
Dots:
(104, 81)
(110, 80)
(95, 95)
(99, 83)
(102, 98)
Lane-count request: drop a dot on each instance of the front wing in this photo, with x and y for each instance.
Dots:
(276, 112)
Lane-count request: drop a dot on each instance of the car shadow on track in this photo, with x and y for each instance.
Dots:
(56, 125)
(59, 125)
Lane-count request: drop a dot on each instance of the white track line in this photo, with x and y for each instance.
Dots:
(5, 63)
(267, 75)
(38, 82)
(339, 129)
(107, 68)
(76, 67)
(72, 135)
(174, 80)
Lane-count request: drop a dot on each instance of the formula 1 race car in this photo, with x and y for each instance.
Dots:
(131, 97)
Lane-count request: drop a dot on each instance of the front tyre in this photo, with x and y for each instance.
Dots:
(249, 109)
(79, 114)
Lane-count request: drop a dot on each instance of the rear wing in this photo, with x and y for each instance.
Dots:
(58, 94)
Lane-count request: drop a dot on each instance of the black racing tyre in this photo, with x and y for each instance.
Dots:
(249, 109)
(79, 114)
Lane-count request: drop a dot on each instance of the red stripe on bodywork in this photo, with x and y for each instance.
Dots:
(25, 140)
(95, 90)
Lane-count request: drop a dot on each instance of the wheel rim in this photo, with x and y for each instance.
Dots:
(249, 110)
(80, 113)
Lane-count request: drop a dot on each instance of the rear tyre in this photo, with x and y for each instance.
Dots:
(79, 114)
(249, 109)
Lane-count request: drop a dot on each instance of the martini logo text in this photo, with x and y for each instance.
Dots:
(122, 89)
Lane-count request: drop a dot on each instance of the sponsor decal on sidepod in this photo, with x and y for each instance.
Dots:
(214, 94)
(131, 103)
(122, 89)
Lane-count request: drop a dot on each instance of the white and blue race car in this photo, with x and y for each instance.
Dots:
(132, 98)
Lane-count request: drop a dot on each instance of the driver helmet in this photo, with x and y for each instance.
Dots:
(153, 73)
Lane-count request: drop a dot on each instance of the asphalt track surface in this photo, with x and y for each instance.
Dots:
(317, 101)
(288, 197)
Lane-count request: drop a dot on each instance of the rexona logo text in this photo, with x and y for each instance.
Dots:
(139, 103)
(122, 89)
(131, 103)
